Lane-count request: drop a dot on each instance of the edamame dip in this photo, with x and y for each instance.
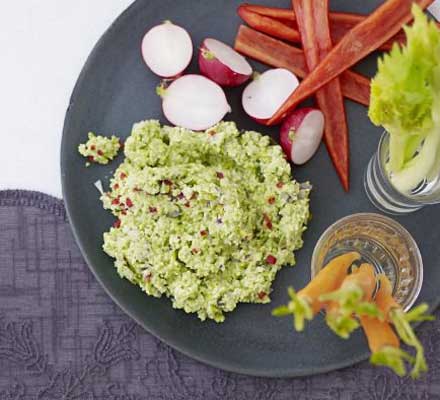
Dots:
(206, 219)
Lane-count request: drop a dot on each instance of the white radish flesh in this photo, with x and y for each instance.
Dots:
(167, 49)
(301, 133)
(267, 93)
(194, 102)
(223, 64)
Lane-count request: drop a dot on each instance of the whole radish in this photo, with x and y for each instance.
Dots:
(267, 93)
(194, 102)
(167, 49)
(223, 64)
(301, 133)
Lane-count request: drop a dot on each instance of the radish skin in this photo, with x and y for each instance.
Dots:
(222, 64)
(301, 134)
(194, 102)
(167, 49)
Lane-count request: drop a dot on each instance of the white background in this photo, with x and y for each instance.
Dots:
(43, 45)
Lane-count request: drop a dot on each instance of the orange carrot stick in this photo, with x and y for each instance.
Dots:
(364, 38)
(305, 304)
(313, 24)
(278, 54)
(384, 345)
(379, 334)
(269, 25)
(401, 321)
(351, 300)
(340, 23)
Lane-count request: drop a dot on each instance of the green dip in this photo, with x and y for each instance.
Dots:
(206, 219)
(100, 149)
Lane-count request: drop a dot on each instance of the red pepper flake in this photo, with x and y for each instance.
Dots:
(115, 202)
(128, 202)
(280, 185)
(270, 259)
(204, 233)
(122, 205)
(187, 204)
(117, 224)
(181, 196)
(271, 200)
(93, 147)
(194, 196)
(123, 212)
(121, 144)
(167, 182)
(91, 158)
(136, 189)
(262, 295)
(220, 175)
(123, 175)
(267, 221)
(152, 210)
(195, 251)
(116, 186)
(147, 277)
(100, 153)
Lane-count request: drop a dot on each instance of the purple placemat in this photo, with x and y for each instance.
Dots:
(62, 338)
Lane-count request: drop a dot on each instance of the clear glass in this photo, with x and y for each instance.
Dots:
(382, 242)
(385, 197)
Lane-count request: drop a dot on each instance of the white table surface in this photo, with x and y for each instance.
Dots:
(44, 44)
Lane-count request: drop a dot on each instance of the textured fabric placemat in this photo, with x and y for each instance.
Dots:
(62, 338)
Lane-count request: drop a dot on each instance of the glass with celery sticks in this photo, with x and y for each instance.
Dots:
(399, 194)
(381, 242)
(404, 175)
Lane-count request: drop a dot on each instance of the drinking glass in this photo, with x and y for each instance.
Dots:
(386, 197)
(381, 242)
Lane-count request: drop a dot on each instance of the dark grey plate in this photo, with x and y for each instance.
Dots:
(114, 90)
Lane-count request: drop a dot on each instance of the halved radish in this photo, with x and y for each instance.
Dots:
(301, 133)
(194, 102)
(167, 49)
(263, 97)
(223, 64)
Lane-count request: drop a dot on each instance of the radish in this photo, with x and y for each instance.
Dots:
(223, 64)
(263, 97)
(301, 133)
(167, 49)
(194, 102)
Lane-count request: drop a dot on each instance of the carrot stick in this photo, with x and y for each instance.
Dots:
(401, 321)
(340, 23)
(278, 54)
(273, 12)
(384, 345)
(339, 30)
(305, 304)
(351, 300)
(355, 288)
(312, 19)
(269, 25)
(364, 38)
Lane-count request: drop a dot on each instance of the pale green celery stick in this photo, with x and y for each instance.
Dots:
(393, 358)
(398, 146)
(414, 143)
(419, 167)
